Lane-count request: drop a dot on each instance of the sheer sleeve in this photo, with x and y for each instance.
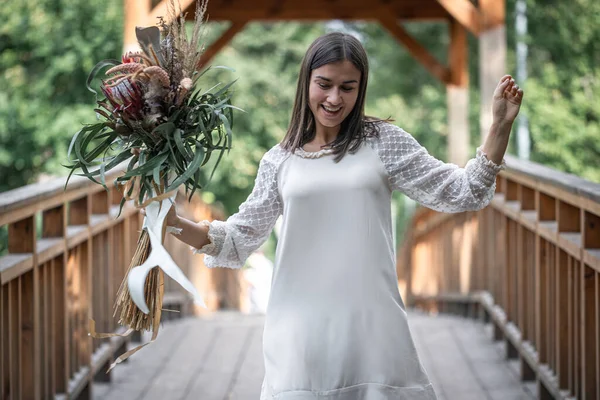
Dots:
(233, 240)
(437, 185)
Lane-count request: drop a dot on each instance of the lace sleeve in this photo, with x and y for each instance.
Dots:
(233, 240)
(440, 186)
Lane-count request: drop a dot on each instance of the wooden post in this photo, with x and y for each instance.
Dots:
(492, 57)
(136, 14)
(457, 95)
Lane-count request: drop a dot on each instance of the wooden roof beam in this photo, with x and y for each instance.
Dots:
(276, 10)
(465, 13)
(494, 13)
(222, 41)
(458, 55)
(160, 10)
(419, 52)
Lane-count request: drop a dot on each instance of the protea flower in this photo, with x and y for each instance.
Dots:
(126, 99)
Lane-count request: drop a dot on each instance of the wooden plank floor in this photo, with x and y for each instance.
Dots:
(220, 358)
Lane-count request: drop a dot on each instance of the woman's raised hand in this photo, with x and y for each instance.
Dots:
(507, 100)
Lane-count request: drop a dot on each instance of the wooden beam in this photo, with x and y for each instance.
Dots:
(136, 12)
(458, 54)
(465, 13)
(457, 94)
(285, 11)
(213, 49)
(493, 13)
(160, 10)
(415, 48)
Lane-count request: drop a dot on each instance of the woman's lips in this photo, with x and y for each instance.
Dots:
(328, 113)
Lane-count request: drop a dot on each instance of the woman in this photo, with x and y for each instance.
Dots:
(336, 325)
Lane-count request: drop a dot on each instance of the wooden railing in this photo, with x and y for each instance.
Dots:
(530, 262)
(67, 255)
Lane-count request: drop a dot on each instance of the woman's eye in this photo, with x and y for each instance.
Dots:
(347, 89)
(323, 86)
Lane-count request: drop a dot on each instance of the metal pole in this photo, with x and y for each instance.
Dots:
(523, 138)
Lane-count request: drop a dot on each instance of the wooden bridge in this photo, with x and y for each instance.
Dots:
(516, 288)
(509, 296)
(226, 361)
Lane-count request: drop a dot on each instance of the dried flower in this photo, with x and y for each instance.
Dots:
(186, 83)
(158, 74)
(127, 68)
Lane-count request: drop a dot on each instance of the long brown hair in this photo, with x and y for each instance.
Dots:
(327, 49)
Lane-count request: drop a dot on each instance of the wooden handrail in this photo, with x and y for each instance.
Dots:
(530, 262)
(67, 255)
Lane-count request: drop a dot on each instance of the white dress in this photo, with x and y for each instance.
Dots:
(336, 326)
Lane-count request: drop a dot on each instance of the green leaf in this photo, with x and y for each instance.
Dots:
(87, 174)
(197, 183)
(121, 204)
(180, 146)
(216, 164)
(68, 177)
(224, 89)
(234, 107)
(73, 140)
(191, 170)
(147, 167)
(156, 174)
(227, 129)
(175, 161)
(113, 163)
(96, 69)
(96, 152)
(88, 133)
(165, 129)
(103, 177)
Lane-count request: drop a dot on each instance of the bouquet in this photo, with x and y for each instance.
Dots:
(153, 103)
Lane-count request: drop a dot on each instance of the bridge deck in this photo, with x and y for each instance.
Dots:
(219, 358)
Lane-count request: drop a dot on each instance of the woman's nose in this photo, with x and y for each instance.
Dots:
(334, 97)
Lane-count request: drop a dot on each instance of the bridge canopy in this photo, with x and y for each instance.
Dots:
(484, 20)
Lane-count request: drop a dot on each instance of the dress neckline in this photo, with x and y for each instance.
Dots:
(313, 154)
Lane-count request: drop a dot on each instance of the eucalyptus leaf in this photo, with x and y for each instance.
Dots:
(223, 67)
(121, 204)
(191, 170)
(180, 145)
(95, 70)
(227, 129)
(225, 88)
(147, 167)
(165, 129)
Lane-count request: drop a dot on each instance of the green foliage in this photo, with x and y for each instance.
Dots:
(47, 48)
(563, 85)
(170, 155)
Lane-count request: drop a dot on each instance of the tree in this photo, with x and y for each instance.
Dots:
(47, 49)
(563, 88)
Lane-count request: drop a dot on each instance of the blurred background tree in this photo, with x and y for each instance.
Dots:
(563, 89)
(48, 47)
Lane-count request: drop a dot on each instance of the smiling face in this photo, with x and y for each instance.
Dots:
(333, 91)
(330, 97)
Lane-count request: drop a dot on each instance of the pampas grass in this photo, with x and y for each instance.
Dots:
(129, 314)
